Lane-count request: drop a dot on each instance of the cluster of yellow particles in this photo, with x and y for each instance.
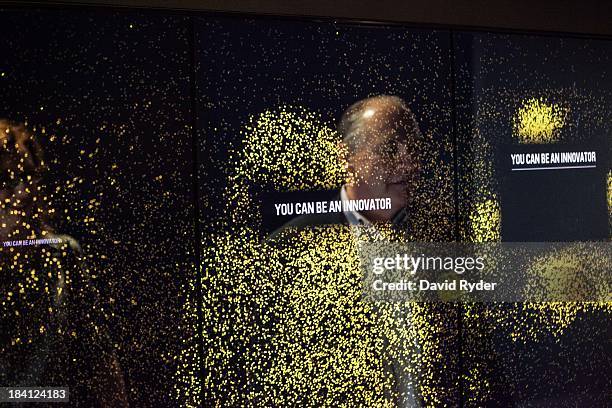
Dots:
(50, 310)
(610, 192)
(576, 272)
(49, 305)
(295, 330)
(276, 143)
(485, 221)
(114, 129)
(531, 323)
(187, 379)
(272, 156)
(538, 122)
(285, 321)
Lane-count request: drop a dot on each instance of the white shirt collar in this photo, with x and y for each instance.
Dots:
(353, 217)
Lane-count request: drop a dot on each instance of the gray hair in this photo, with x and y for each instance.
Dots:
(392, 110)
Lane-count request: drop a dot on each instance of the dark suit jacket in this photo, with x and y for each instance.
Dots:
(286, 232)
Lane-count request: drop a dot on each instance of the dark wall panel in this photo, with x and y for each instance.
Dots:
(107, 96)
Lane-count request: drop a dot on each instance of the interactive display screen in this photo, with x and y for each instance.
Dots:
(227, 211)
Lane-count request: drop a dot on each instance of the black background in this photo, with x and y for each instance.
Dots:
(127, 78)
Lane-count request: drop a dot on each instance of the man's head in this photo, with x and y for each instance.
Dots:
(21, 167)
(380, 135)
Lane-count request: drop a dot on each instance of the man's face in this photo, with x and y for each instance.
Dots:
(385, 166)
